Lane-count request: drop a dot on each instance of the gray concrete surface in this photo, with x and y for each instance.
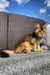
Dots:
(34, 63)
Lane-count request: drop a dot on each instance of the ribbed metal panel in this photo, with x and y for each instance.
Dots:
(3, 30)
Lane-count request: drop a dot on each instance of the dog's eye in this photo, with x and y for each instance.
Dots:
(39, 31)
(44, 32)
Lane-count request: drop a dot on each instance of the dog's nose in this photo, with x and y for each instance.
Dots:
(42, 34)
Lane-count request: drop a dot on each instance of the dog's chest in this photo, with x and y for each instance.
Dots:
(39, 41)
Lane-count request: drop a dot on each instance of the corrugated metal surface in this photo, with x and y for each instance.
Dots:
(13, 27)
(3, 30)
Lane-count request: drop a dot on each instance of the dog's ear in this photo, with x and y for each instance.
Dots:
(37, 25)
(45, 25)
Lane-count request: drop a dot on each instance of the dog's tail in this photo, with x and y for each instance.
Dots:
(9, 51)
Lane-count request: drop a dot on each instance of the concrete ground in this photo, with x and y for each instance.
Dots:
(34, 63)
